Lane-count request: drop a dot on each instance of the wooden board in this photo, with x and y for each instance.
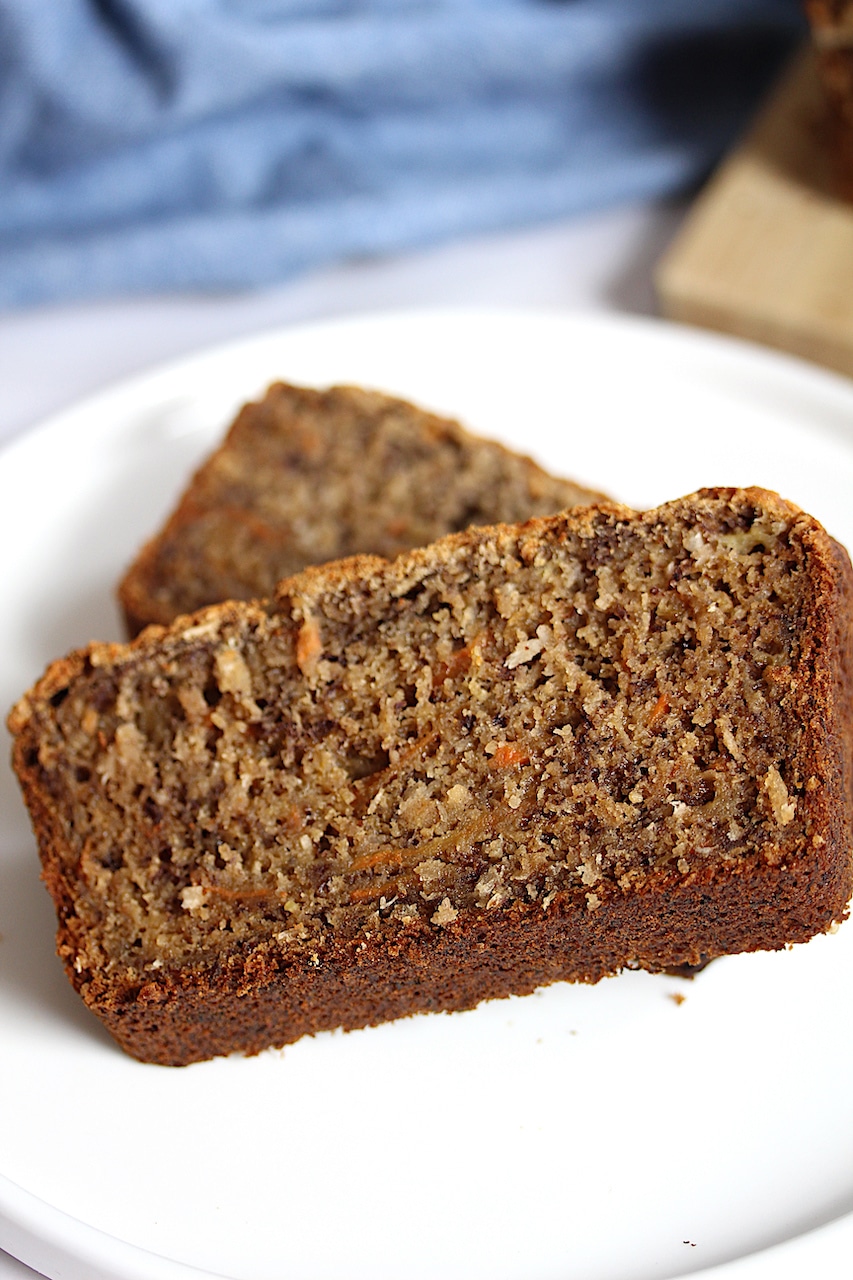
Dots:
(766, 252)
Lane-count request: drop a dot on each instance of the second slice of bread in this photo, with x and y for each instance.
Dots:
(308, 476)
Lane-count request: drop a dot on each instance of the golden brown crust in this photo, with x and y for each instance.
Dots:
(718, 876)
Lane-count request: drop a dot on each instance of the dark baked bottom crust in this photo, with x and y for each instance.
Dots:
(481, 956)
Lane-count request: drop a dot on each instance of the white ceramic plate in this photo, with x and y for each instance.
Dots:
(641, 1129)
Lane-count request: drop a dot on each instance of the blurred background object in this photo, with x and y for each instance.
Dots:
(153, 145)
(832, 29)
(766, 251)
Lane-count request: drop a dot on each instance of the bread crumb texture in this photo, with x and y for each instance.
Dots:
(564, 721)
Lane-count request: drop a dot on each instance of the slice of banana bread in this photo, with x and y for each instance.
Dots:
(525, 753)
(309, 476)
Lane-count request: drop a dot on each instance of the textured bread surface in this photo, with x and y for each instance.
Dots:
(522, 754)
(309, 476)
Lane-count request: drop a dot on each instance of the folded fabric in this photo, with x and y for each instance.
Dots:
(157, 144)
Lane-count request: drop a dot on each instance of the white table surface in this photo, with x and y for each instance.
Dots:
(51, 357)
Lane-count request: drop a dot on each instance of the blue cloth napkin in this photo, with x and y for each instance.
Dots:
(172, 144)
